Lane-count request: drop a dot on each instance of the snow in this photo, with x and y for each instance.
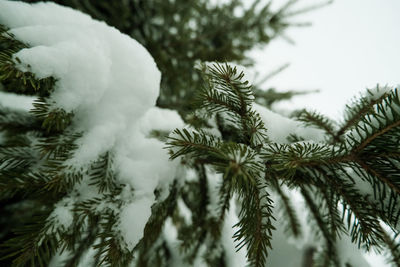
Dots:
(62, 213)
(284, 245)
(214, 181)
(184, 211)
(171, 236)
(233, 258)
(110, 82)
(280, 127)
(378, 91)
(349, 252)
(165, 119)
(134, 217)
(15, 101)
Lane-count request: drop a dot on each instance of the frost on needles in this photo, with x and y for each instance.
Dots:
(90, 160)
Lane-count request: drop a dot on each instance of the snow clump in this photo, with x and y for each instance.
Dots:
(110, 82)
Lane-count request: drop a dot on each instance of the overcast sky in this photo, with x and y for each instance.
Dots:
(352, 45)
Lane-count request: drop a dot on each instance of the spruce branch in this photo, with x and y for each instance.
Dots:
(15, 122)
(392, 242)
(12, 158)
(271, 96)
(226, 92)
(13, 79)
(59, 146)
(102, 174)
(109, 249)
(313, 118)
(361, 216)
(154, 226)
(330, 255)
(255, 224)
(183, 142)
(225, 195)
(53, 120)
(294, 224)
(197, 199)
(33, 242)
(358, 109)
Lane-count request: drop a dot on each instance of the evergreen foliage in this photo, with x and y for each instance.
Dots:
(35, 175)
(331, 171)
(179, 33)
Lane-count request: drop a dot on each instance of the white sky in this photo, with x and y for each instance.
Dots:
(352, 45)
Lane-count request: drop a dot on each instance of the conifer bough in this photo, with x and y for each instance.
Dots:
(89, 162)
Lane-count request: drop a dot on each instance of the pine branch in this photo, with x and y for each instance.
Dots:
(271, 96)
(294, 224)
(154, 226)
(362, 216)
(393, 243)
(102, 174)
(319, 121)
(194, 235)
(359, 109)
(226, 92)
(32, 243)
(16, 122)
(330, 256)
(13, 79)
(57, 146)
(109, 248)
(53, 120)
(255, 225)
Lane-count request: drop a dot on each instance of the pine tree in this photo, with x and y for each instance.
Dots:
(179, 33)
(348, 179)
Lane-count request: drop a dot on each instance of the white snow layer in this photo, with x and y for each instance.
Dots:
(280, 127)
(15, 101)
(110, 82)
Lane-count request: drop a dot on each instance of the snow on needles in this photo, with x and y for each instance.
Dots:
(110, 82)
(280, 127)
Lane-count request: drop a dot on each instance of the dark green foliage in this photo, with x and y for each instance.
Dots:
(255, 224)
(180, 33)
(331, 170)
(102, 174)
(35, 174)
(38, 143)
(271, 96)
(317, 120)
(293, 222)
(13, 79)
(226, 92)
(153, 229)
(329, 255)
(33, 171)
(31, 244)
(357, 110)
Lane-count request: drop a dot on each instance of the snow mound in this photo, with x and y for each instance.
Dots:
(110, 82)
(280, 127)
